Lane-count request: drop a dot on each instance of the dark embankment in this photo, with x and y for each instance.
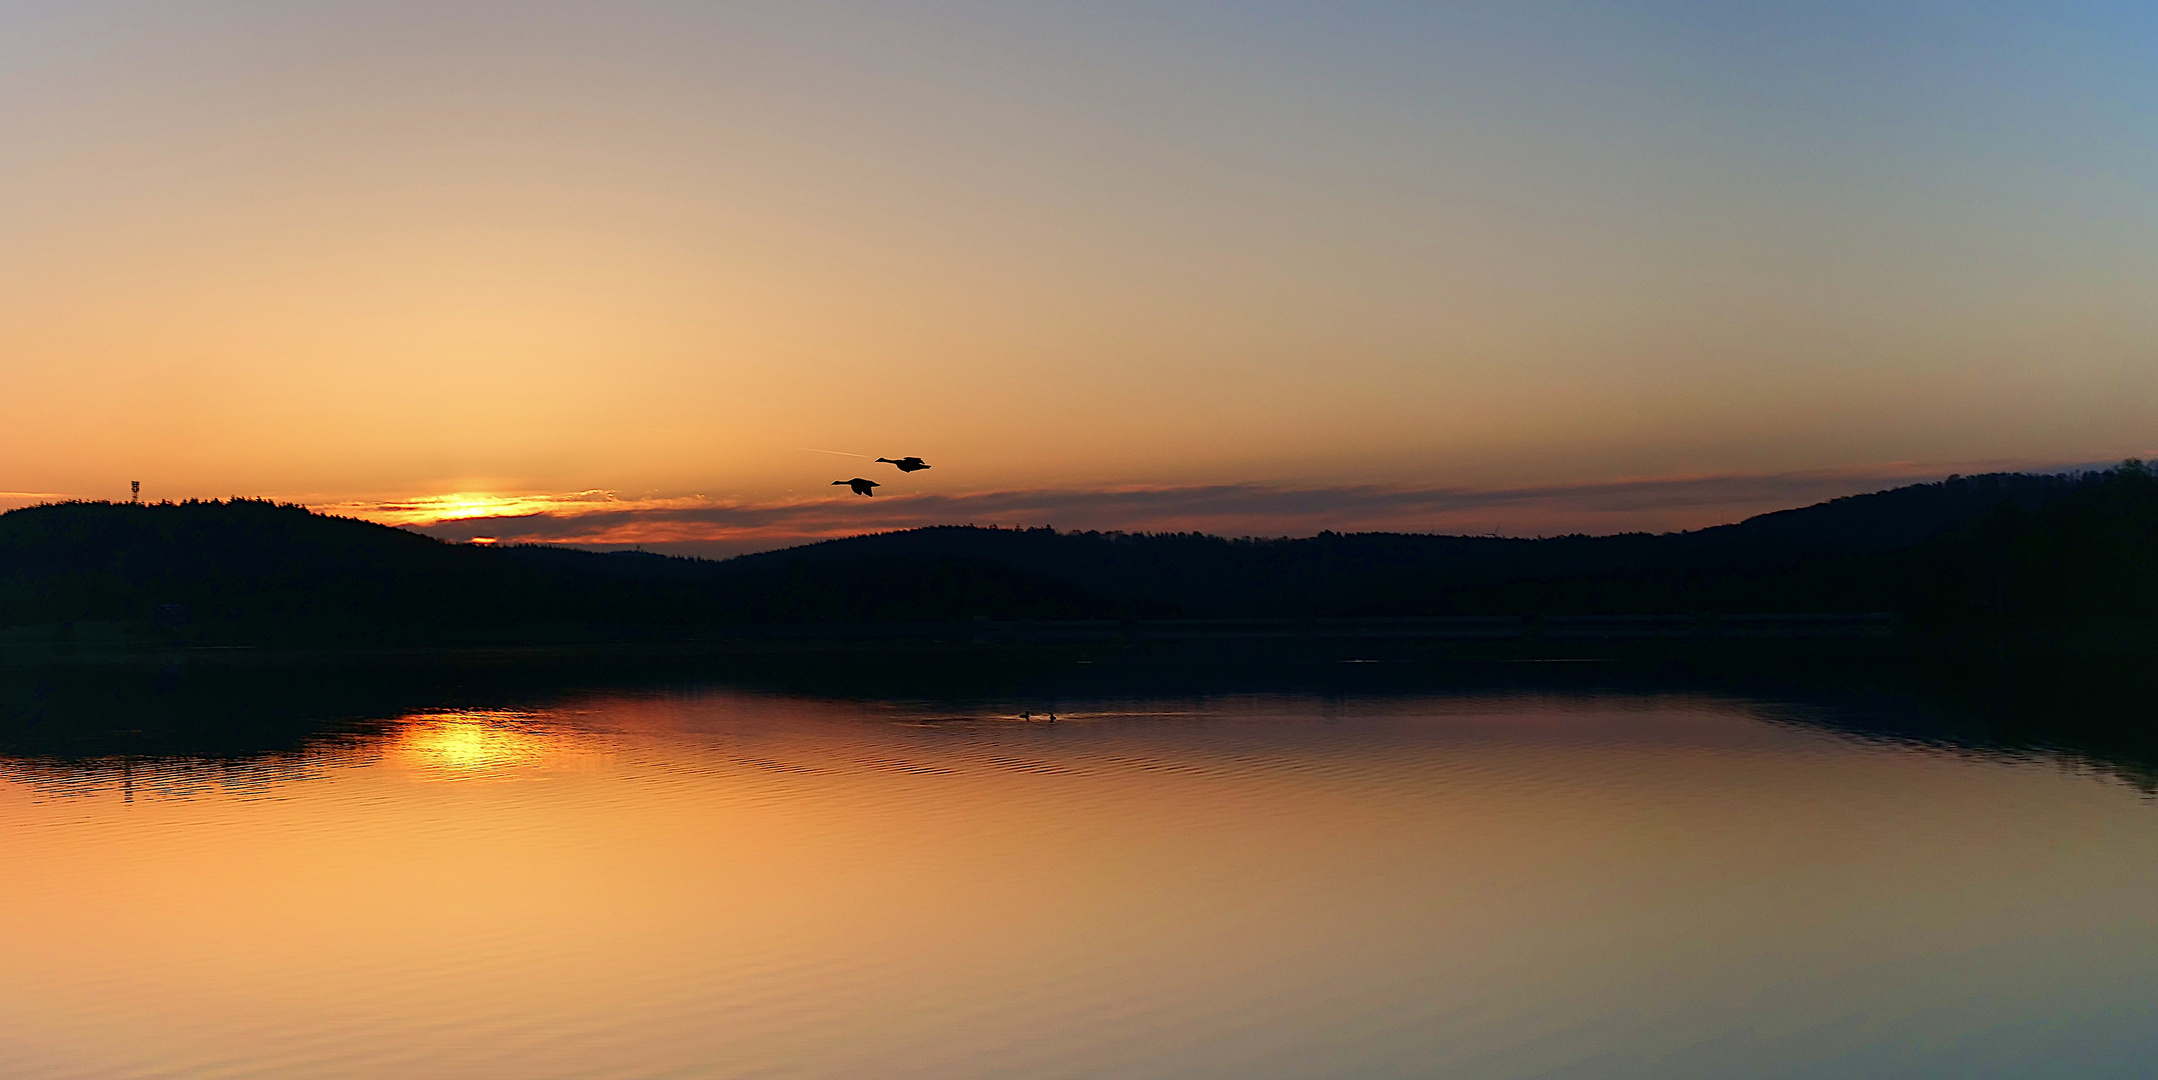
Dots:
(2010, 549)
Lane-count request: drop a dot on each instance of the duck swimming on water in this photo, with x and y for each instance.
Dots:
(860, 486)
(906, 464)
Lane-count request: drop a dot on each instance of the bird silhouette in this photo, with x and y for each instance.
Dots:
(860, 486)
(906, 464)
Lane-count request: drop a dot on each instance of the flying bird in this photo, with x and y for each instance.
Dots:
(906, 464)
(860, 486)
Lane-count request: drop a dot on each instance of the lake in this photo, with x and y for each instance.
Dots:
(699, 879)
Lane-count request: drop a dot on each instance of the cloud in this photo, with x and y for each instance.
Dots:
(700, 526)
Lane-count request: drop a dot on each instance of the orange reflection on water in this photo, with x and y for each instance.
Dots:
(722, 884)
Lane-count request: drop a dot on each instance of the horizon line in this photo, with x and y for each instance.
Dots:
(709, 528)
(697, 525)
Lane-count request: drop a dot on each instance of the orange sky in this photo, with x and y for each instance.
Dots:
(355, 256)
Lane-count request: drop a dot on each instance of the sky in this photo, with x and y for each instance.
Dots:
(645, 273)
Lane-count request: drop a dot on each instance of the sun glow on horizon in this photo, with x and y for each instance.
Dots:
(468, 505)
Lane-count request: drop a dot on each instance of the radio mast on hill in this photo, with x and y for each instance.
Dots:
(134, 491)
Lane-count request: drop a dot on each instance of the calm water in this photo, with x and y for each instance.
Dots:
(716, 883)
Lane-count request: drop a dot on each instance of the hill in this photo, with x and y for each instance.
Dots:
(258, 566)
(259, 571)
(1999, 547)
(1966, 547)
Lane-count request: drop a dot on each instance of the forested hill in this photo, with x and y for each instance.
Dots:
(2006, 546)
(1823, 557)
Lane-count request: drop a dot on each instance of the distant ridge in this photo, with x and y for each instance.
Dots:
(1352, 574)
(1984, 548)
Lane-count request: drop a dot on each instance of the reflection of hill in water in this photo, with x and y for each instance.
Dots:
(204, 730)
(2095, 710)
(451, 744)
(178, 777)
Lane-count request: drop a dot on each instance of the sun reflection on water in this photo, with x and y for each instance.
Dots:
(474, 744)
